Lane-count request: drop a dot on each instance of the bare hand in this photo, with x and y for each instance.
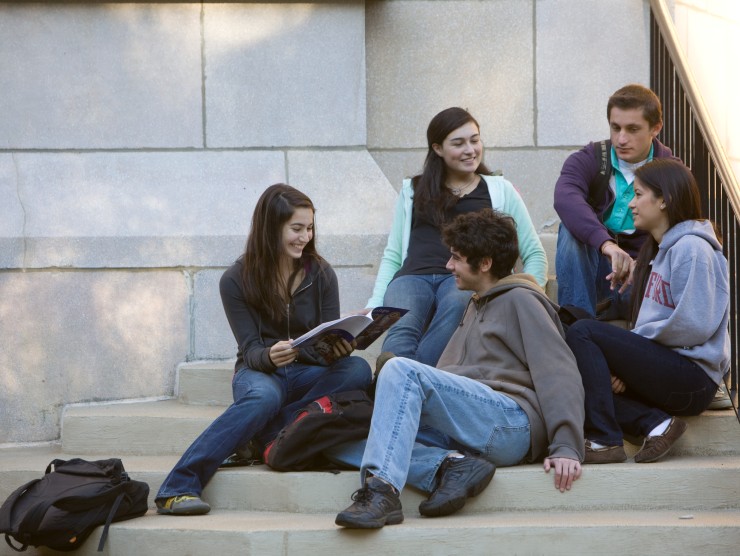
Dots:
(617, 385)
(283, 353)
(566, 471)
(342, 348)
(622, 265)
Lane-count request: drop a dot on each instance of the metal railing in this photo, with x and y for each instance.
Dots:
(688, 131)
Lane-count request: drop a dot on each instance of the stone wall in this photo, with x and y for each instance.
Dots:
(136, 138)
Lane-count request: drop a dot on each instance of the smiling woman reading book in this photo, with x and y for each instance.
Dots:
(279, 289)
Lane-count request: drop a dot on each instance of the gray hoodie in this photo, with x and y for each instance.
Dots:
(686, 305)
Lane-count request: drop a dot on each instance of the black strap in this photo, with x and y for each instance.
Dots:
(600, 183)
(11, 545)
(108, 521)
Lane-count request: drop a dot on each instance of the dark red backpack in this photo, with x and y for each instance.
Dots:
(324, 423)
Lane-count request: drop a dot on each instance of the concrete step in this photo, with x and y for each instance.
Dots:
(265, 533)
(680, 483)
(168, 427)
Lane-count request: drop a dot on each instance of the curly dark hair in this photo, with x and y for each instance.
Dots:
(481, 234)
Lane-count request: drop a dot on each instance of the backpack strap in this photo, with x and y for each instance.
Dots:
(111, 515)
(598, 186)
(11, 545)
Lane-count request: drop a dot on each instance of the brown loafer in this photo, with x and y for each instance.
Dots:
(607, 454)
(655, 447)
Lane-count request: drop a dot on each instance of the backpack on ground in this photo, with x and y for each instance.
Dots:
(324, 423)
(61, 509)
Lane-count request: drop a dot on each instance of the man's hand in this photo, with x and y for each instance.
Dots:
(566, 471)
(622, 265)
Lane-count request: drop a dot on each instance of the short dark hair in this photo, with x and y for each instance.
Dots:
(486, 233)
(637, 96)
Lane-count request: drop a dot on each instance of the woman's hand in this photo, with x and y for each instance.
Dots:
(343, 348)
(283, 353)
(617, 385)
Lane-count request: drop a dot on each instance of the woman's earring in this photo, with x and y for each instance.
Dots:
(662, 207)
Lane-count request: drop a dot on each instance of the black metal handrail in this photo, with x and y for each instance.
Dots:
(688, 131)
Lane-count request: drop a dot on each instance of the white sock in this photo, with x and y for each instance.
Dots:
(596, 445)
(660, 429)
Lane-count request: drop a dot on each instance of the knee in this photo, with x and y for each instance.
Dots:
(265, 391)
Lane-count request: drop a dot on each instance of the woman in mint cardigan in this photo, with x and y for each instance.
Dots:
(412, 272)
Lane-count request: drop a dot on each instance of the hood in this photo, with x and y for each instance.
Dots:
(510, 282)
(700, 228)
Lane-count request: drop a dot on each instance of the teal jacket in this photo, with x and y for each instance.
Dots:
(504, 198)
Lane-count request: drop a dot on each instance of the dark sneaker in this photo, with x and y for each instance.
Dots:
(655, 447)
(376, 504)
(607, 454)
(459, 479)
(721, 399)
(182, 505)
(382, 359)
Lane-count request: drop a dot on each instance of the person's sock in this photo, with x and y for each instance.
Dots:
(596, 445)
(660, 429)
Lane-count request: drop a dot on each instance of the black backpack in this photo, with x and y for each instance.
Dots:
(61, 509)
(326, 422)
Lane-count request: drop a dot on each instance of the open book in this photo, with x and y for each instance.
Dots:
(364, 329)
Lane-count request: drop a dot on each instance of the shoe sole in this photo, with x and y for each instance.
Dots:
(393, 518)
(456, 504)
(191, 511)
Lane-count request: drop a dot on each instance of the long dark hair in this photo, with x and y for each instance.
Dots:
(264, 286)
(430, 194)
(674, 182)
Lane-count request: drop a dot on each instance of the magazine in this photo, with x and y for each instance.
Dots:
(363, 329)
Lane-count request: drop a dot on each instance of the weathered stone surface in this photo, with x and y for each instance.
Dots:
(285, 74)
(351, 194)
(585, 52)
(100, 76)
(424, 57)
(134, 209)
(85, 336)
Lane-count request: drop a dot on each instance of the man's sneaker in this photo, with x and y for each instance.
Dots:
(182, 505)
(376, 504)
(605, 454)
(459, 479)
(655, 447)
(721, 399)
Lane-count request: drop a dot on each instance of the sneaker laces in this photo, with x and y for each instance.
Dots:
(362, 495)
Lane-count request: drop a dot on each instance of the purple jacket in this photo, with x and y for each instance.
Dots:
(584, 220)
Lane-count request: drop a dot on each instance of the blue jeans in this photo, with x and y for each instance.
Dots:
(435, 309)
(659, 381)
(581, 271)
(410, 395)
(263, 404)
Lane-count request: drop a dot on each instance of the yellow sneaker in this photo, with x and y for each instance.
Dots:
(182, 505)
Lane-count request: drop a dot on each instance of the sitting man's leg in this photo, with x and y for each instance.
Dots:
(468, 412)
(581, 272)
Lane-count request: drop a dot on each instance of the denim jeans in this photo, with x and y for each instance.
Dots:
(410, 395)
(581, 271)
(659, 381)
(430, 449)
(435, 309)
(263, 404)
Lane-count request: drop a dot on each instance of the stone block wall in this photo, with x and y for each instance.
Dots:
(136, 138)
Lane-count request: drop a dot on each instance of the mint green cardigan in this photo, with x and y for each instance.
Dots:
(504, 197)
